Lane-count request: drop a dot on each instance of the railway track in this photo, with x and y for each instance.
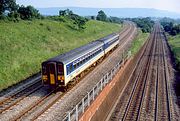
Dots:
(38, 107)
(146, 96)
(163, 106)
(19, 95)
(13, 100)
(135, 101)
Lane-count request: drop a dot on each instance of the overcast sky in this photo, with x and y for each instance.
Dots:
(170, 5)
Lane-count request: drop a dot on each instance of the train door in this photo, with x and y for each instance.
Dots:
(60, 74)
(52, 73)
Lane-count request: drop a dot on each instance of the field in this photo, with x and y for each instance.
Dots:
(138, 42)
(174, 42)
(24, 45)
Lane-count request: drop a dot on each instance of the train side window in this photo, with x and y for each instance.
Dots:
(84, 60)
(71, 68)
(68, 70)
(75, 66)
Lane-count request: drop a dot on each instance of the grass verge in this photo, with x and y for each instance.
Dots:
(138, 42)
(24, 45)
(174, 42)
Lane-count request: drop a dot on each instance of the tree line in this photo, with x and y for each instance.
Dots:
(146, 24)
(171, 27)
(101, 16)
(12, 11)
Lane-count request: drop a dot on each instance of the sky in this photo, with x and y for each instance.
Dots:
(170, 5)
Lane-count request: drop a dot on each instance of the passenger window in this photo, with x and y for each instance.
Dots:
(68, 70)
(75, 66)
(71, 68)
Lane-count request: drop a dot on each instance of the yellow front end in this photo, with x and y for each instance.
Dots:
(61, 80)
(52, 79)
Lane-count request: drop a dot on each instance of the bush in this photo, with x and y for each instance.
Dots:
(78, 21)
(145, 24)
(28, 13)
(171, 27)
(48, 28)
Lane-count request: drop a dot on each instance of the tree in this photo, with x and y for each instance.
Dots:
(93, 17)
(77, 20)
(2, 7)
(172, 27)
(101, 16)
(66, 12)
(28, 12)
(62, 12)
(8, 5)
(11, 6)
(80, 21)
(177, 28)
(115, 20)
(145, 24)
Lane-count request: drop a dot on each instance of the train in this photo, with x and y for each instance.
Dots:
(62, 69)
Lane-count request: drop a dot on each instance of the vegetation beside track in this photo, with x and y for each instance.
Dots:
(24, 45)
(138, 42)
(174, 42)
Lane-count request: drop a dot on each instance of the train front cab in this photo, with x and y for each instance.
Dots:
(53, 73)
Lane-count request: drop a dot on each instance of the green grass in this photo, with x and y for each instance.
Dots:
(138, 42)
(24, 45)
(174, 42)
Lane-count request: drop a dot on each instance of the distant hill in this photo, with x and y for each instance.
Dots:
(119, 12)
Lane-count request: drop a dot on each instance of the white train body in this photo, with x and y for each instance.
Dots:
(60, 70)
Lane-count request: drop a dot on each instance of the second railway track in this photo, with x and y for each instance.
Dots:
(146, 96)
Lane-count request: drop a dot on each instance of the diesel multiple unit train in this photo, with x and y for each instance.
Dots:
(60, 70)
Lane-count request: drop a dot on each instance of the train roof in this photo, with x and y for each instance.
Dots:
(76, 53)
(109, 37)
